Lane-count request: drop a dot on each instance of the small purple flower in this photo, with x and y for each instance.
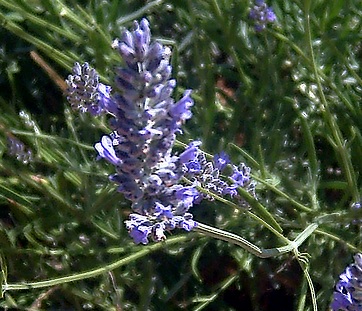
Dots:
(140, 234)
(158, 232)
(240, 175)
(186, 197)
(186, 222)
(190, 152)
(105, 102)
(221, 160)
(356, 205)
(105, 150)
(231, 190)
(139, 228)
(262, 15)
(181, 110)
(163, 212)
(17, 149)
(193, 167)
(348, 290)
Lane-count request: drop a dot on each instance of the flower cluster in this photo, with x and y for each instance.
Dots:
(161, 184)
(207, 175)
(348, 291)
(85, 92)
(262, 15)
(17, 149)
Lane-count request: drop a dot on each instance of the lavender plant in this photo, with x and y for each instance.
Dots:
(289, 98)
(161, 184)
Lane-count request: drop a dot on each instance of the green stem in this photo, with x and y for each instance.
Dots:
(339, 240)
(305, 267)
(275, 227)
(70, 122)
(72, 16)
(139, 13)
(309, 64)
(249, 159)
(255, 164)
(223, 21)
(309, 142)
(226, 283)
(39, 21)
(95, 272)
(252, 248)
(343, 59)
(282, 194)
(328, 116)
(53, 138)
(55, 54)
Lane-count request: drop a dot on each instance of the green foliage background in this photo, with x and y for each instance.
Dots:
(287, 101)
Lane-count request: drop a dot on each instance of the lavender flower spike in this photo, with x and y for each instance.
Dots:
(85, 92)
(162, 185)
(262, 15)
(348, 291)
(17, 149)
(145, 120)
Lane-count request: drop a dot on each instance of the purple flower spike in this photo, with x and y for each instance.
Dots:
(85, 93)
(348, 291)
(145, 119)
(206, 174)
(262, 15)
(17, 149)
